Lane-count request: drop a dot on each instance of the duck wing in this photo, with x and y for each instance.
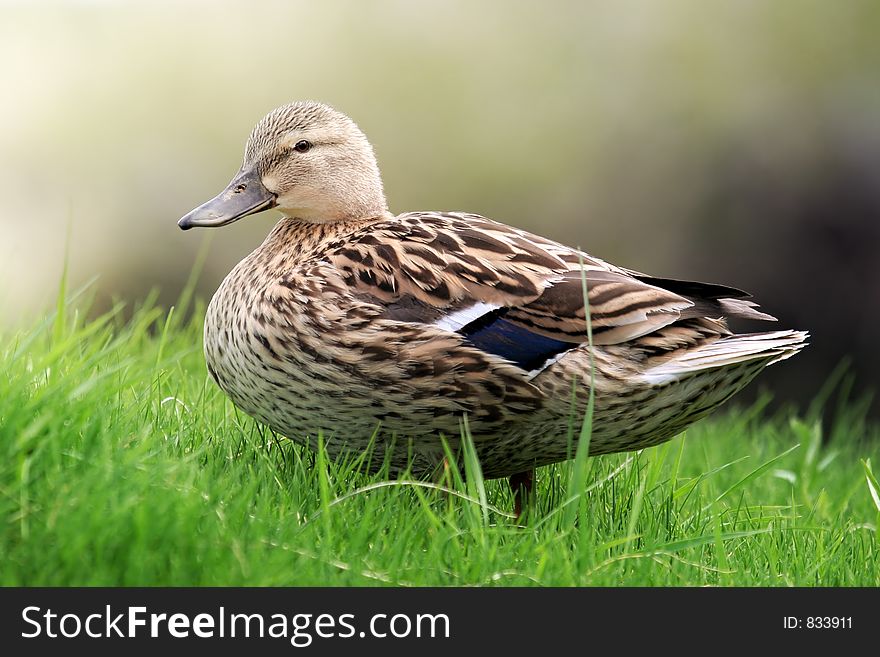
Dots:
(514, 294)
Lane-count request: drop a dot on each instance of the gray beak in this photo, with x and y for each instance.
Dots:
(243, 196)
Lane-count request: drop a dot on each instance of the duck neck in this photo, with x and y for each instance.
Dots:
(303, 240)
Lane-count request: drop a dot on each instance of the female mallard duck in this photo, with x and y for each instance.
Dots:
(348, 319)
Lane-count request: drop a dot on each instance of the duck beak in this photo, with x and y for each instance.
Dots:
(243, 196)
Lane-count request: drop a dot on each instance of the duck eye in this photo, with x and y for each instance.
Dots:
(302, 146)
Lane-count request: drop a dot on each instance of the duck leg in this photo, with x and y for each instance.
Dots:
(521, 484)
(443, 478)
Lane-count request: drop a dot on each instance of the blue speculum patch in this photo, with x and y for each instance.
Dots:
(515, 343)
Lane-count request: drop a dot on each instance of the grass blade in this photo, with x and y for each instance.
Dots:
(873, 486)
(757, 472)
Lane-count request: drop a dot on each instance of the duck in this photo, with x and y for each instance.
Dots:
(399, 337)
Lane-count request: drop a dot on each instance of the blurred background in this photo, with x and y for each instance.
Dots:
(734, 142)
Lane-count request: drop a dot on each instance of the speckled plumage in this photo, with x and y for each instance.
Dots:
(371, 328)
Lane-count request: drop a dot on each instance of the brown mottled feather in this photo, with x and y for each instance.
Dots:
(438, 261)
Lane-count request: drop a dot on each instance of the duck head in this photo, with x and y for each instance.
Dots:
(307, 160)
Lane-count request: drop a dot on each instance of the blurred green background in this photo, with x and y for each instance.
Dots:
(736, 142)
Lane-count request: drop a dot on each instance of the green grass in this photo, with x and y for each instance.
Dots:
(121, 463)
